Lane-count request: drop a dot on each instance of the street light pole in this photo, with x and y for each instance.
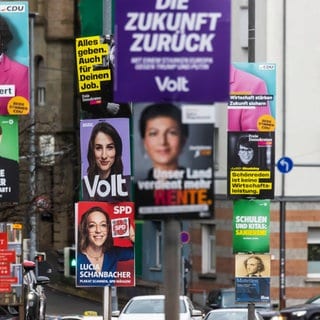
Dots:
(32, 160)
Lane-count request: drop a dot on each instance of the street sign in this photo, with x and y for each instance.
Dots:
(285, 165)
(184, 237)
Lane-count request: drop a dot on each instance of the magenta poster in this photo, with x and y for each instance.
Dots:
(14, 64)
(174, 50)
(105, 159)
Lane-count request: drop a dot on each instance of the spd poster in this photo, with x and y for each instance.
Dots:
(14, 66)
(174, 50)
(9, 159)
(251, 165)
(105, 235)
(251, 226)
(173, 159)
(105, 159)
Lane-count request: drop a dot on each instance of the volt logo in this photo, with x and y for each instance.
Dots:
(167, 84)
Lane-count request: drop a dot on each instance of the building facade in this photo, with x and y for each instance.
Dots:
(285, 35)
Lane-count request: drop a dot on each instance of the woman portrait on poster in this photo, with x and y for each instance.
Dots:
(12, 73)
(246, 152)
(164, 136)
(105, 164)
(246, 119)
(96, 250)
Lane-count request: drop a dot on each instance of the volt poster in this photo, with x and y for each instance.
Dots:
(251, 226)
(174, 50)
(109, 229)
(105, 159)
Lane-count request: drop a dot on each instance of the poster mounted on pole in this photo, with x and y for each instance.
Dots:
(173, 161)
(105, 235)
(174, 50)
(9, 159)
(251, 165)
(14, 66)
(251, 226)
(105, 159)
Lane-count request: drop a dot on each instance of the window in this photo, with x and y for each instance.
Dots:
(208, 248)
(40, 81)
(314, 252)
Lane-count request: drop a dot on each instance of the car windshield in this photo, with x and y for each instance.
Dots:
(150, 306)
(227, 315)
(315, 300)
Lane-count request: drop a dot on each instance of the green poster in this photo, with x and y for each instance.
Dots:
(91, 17)
(251, 226)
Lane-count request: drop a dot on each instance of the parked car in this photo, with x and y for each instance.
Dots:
(151, 307)
(310, 310)
(226, 298)
(231, 313)
(5, 314)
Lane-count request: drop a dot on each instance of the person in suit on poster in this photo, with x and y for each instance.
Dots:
(246, 119)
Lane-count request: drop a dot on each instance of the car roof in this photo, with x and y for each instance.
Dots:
(152, 296)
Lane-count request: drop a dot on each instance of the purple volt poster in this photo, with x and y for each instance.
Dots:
(105, 159)
(172, 50)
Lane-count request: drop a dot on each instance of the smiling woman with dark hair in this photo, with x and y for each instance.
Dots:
(105, 166)
(14, 76)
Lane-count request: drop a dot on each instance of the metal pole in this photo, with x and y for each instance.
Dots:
(251, 30)
(109, 295)
(251, 58)
(282, 257)
(107, 17)
(282, 303)
(172, 261)
(32, 163)
(106, 303)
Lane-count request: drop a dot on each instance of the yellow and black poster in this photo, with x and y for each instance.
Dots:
(251, 165)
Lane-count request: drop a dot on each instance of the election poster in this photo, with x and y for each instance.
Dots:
(95, 70)
(173, 161)
(9, 159)
(105, 235)
(251, 226)
(174, 50)
(251, 165)
(252, 100)
(105, 159)
(11, 283)
(252, 278)
(14, 50)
